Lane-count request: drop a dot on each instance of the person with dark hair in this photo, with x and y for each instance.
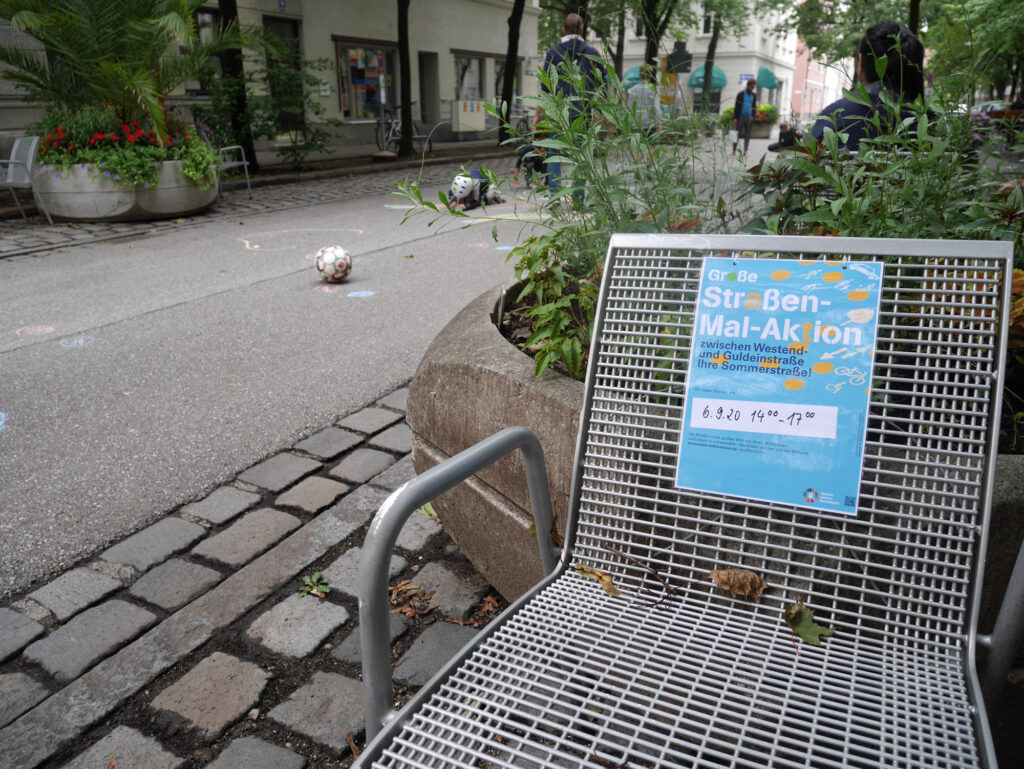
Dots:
(642, 100)
(743, 114)
(788, 137)
(574, 50)
(902, 77)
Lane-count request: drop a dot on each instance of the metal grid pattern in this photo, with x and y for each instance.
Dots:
(699, 678)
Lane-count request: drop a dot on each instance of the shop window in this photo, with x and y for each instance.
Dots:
(469, 77)
(366, 81)
(206, 28)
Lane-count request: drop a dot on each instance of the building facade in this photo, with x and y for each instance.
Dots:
(457, 57)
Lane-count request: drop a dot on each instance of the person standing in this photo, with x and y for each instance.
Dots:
(574, 50)
(743, 115)
(642, 100)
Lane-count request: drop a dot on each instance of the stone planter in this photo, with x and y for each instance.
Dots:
(78, 194)
(472, 383)
(761, 130)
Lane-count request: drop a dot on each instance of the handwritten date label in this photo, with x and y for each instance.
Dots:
(798, 420)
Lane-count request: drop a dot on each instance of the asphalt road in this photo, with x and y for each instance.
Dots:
(138, 375)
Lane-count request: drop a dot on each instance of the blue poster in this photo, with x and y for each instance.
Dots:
(779, 381)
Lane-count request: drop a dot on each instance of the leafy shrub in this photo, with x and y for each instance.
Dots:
(126, 153)
(767, 113)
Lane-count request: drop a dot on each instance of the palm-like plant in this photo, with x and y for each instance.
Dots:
(123, 55)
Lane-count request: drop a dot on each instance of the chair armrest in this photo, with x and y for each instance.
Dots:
(374, 636)
(239, 160)
(1006, 636)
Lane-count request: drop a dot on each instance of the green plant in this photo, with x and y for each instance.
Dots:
(121, 55)
(317, 585)
(126, 153)
(615, 179)
(767, 113)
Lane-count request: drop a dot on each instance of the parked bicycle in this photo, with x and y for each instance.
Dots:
(389, 132)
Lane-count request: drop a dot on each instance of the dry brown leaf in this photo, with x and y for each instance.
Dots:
(601, 576)
(112, 764)
(489, 605)
(351, 740)
(740, 582)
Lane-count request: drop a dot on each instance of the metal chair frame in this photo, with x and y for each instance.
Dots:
(18, 173)
(225, 165)
(570, 676)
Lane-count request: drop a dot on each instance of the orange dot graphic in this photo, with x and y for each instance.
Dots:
(822, 368)
(832, 277)
(780, 275)
(857, 296)
(793, 384)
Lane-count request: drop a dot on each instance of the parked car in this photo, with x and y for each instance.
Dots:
(982, 109)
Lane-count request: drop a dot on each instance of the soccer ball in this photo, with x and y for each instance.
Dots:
(334, 263)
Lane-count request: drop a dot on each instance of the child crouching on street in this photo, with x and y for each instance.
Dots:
(471, 189)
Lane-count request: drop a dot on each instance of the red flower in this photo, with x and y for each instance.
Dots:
(135, 123)
(131, 139)
(92, 141)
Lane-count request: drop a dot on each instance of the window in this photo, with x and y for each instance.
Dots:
(709, 24)
(469, 77)
(366, 82)
(641, 26)
(206, 27)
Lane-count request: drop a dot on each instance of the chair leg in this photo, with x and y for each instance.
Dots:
(41, 207)
(18, 203)
(245, 167)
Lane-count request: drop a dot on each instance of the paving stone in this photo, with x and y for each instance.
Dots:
(65, 715)
(395, 400)
(325, 710)
(329, 442)
(154, 543)
(435, 646)
(214, 694)
(132, 749)
(222, 504)
(297, 625)
(362, 465)
(370, 420)
(455, 593)
(122, 572)
(16, 630)
(254, 753)
(350, 650)
(248, 537)
(34, 610)
(344, 572)
(95, 633)
(18, 693)
(359, 507)
(417, 531)
(74, 590)
(279, 471)
(397, 439)
(173, 584)
(399, 473)
(312, 494)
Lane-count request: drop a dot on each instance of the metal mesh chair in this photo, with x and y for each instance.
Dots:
(571, 676)
(18, 172)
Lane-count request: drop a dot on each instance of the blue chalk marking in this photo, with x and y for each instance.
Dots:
(503, 248)
(77, 341)
(360, 294)
(3, 421)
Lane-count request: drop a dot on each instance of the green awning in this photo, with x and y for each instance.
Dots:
(631, 77)
(766, 78)
(718, 78)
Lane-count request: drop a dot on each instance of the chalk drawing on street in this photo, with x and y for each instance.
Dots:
(360, 294)
(327, 289)
(34, 331)
(76, 341)
(3, 421)
(478, 245)
(251, 243)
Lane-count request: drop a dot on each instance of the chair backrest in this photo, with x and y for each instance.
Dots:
(905, 566)
(23, 151)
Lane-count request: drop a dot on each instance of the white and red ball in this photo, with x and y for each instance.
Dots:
(333, 263)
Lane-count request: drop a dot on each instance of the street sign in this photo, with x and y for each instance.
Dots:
(745, 78)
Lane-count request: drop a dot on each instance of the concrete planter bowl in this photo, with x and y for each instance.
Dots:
(84, 195)
(472, 382)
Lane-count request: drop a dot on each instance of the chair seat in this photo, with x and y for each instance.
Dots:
(579, 678)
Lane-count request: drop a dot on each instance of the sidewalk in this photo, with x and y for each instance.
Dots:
(344, 178)
(188, 644)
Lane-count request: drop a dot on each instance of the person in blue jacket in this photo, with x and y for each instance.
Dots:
(572, 48)
(903, 78)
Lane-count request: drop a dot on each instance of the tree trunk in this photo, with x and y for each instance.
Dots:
(404, 80)
(709, 65)
(656, 26)
(231, 59)
(914, 16)
(620, 41)
(509, 79)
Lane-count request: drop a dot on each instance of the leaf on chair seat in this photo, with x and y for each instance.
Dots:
(801, 620)
(740, 582)
(601, 576)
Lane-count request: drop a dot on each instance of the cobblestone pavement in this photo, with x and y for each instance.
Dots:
(187, 645)
(18, 236)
